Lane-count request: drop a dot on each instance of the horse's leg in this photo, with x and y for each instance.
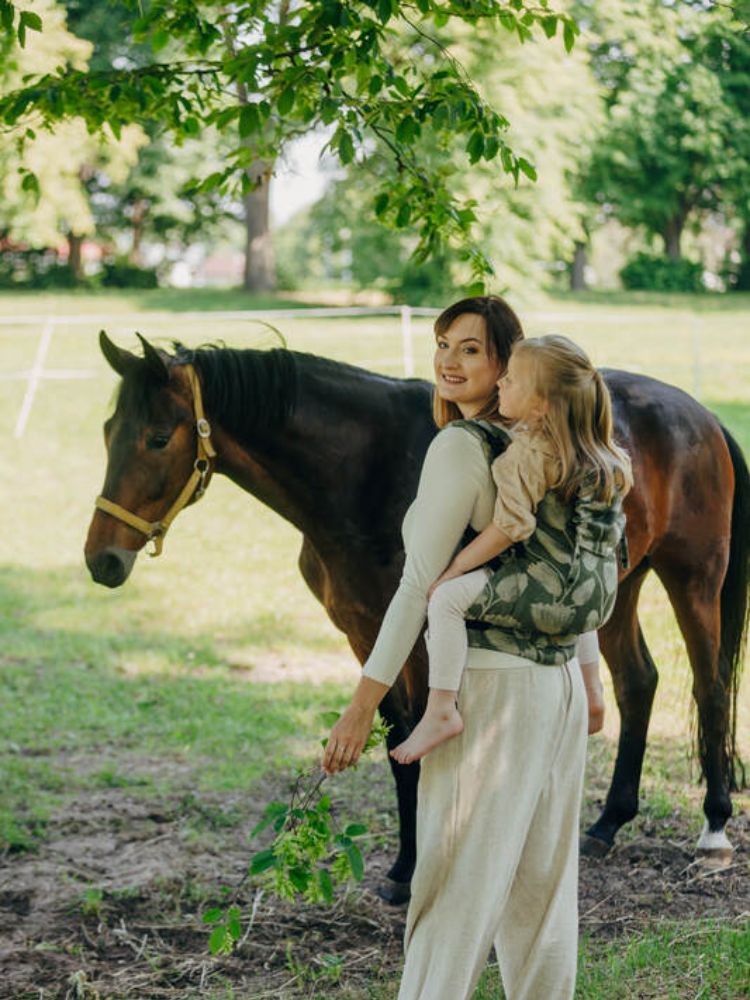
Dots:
(396, 889)
(635, 677)
(695, 595)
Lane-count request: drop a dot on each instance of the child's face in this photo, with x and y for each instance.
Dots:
(518, 401)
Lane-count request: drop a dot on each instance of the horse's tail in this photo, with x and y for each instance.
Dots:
(734, 604)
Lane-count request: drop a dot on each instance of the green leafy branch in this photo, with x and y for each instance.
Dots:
(374, 69)
(27, 21)
(309, 856)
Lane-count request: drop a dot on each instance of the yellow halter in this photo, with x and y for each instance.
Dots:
(195, 486)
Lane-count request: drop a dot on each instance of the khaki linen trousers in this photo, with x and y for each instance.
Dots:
(497, 838)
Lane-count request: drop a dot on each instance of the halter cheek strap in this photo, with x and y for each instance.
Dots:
(194, 488)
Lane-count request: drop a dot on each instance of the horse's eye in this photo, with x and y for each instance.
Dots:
(157, 441)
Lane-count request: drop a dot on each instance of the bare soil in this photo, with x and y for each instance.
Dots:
(110, 904)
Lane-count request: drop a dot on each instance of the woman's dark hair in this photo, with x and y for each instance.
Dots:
(503, 329)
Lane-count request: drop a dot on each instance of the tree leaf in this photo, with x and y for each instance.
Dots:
(326, 885)
(262, 861)
(234, 926)
(346, 148)
(475, 147)
(355, 830)
(385, 10)
(30, 183)
(381, 204)
(569, 35)
(249, 120)
(31, 20)
(404, 214)
(212, 915)
(402, 86)
(300, 878)
(285, 102)
(527, 168)
(217, 942)
(355, 861)
(159, 39)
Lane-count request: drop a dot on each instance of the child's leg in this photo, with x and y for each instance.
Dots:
(447, 645)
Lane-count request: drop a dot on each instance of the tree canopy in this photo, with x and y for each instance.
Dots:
(375, 71)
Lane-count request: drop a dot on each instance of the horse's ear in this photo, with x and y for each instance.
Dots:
(118, 359)
(157, 366)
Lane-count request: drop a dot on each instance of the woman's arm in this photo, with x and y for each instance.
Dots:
(454, 473)
(588, 658)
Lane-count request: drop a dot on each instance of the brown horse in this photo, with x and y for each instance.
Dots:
(337, 451)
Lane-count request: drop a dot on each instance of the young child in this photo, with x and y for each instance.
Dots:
(553, 584)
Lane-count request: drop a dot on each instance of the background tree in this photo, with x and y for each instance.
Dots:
(726, 53)
(553, 103)
(665, 154)
(326, 62)
(45, 176)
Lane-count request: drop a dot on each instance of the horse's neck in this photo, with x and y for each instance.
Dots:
(314, 470)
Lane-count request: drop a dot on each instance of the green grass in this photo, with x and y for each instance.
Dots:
(703, 960)
(665, 962)
(168, 667)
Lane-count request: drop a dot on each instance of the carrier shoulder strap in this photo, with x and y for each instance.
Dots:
(494, 439)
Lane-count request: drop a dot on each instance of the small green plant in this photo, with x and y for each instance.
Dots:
(92, 901)
(309, 855)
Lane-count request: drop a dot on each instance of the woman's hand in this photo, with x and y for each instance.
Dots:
(347, 739)
(594, 696)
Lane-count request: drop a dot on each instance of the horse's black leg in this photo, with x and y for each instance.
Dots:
(635, 677)
(694, 594)
(396, 889)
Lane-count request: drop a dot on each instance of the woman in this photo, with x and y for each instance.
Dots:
(497, 819)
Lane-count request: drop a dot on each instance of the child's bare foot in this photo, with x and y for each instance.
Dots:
(435, 727)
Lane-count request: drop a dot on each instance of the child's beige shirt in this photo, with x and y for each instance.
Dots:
(524, 472)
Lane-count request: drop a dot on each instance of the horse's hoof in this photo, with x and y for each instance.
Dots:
(395, 893)
(593, 847)
(714, 849)
(714, 857)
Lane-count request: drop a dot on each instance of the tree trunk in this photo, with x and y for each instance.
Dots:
(138, 215)
(672, 235)
(743, 274)
(260, 273)
(75, 260)
(578, 268)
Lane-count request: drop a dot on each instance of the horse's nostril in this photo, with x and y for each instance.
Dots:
(108, 569)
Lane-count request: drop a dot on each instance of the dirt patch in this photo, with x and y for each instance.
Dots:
(110, 906)
(275, 668)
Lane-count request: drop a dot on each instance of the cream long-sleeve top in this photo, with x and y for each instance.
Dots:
(455, 490)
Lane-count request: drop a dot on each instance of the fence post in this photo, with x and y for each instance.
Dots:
(35, 375)
(696, 344)
(407, 343)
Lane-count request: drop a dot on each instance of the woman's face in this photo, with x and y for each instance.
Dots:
(464, 372)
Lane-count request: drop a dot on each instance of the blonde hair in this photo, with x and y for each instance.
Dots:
(502, 329)
(578, 417)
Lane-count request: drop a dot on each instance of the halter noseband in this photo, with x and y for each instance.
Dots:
(194, 488)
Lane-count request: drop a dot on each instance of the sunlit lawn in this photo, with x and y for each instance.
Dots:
(170, 663)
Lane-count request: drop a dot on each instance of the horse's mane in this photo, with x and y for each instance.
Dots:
(245, 388)
(259, 389)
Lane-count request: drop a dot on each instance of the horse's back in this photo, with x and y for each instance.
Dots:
(682, 468)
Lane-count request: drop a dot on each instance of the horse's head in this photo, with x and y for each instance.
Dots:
(152, 441)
